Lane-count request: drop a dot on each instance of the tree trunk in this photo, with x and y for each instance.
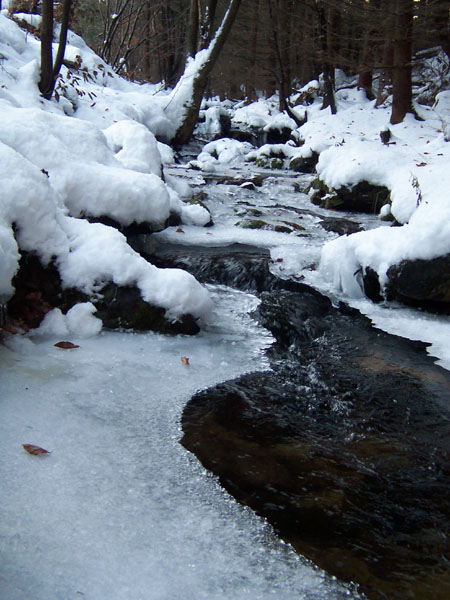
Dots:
(191, 86)
(250, 86)
(401, 72)
(328, 97)
(46, 82)
(194, 18)
(65, 18)
(50, 72)
(365, 83)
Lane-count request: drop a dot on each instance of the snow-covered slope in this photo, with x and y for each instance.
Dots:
(90, 151)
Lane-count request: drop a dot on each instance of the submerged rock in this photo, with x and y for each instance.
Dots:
(340, 226)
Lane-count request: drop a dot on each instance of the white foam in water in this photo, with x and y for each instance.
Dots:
(120, 510)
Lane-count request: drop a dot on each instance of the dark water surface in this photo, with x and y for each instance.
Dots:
(343, 446)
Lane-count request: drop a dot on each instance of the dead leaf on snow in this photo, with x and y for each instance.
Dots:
(35, 450)
(66, 345)
(185, 360)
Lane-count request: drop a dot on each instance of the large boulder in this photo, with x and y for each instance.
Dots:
(39, 290)
(422, 282)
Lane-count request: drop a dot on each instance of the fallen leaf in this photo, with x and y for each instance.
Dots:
(185, 360)
(66, 345)
(422, 164)
(35, 450)
(179, 230)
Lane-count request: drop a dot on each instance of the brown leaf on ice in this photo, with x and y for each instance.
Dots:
(66, 345)
(179, 230)
(35, 450)
(185, 360)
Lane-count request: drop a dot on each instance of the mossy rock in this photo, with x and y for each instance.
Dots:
(317, 191)
(294, 226)
(276, 163)
(283, 229)
(195, 200)
(252, 224)
(363, 197)
(261, 162)
(302, 164)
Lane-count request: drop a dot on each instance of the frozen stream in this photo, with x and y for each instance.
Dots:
(119, 510)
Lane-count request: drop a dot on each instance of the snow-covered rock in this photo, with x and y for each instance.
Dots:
(101, 161)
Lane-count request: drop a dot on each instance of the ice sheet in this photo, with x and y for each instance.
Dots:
(119, 509)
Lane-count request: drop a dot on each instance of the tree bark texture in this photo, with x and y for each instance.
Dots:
(401, 71)
(50, 72)
(46, 82)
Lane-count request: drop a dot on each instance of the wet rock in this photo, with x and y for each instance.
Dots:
(256, 180)
(258, 137)
(38, 289)
(422, 282)
(336, 446)
(240, 266)
(278, 136)
(254, 137)
(131, 229)
(340, 226)
(371, 284)
(363, 197)
(124, 308)
(304, 164)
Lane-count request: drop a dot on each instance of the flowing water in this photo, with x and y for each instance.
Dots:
(344, 444)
